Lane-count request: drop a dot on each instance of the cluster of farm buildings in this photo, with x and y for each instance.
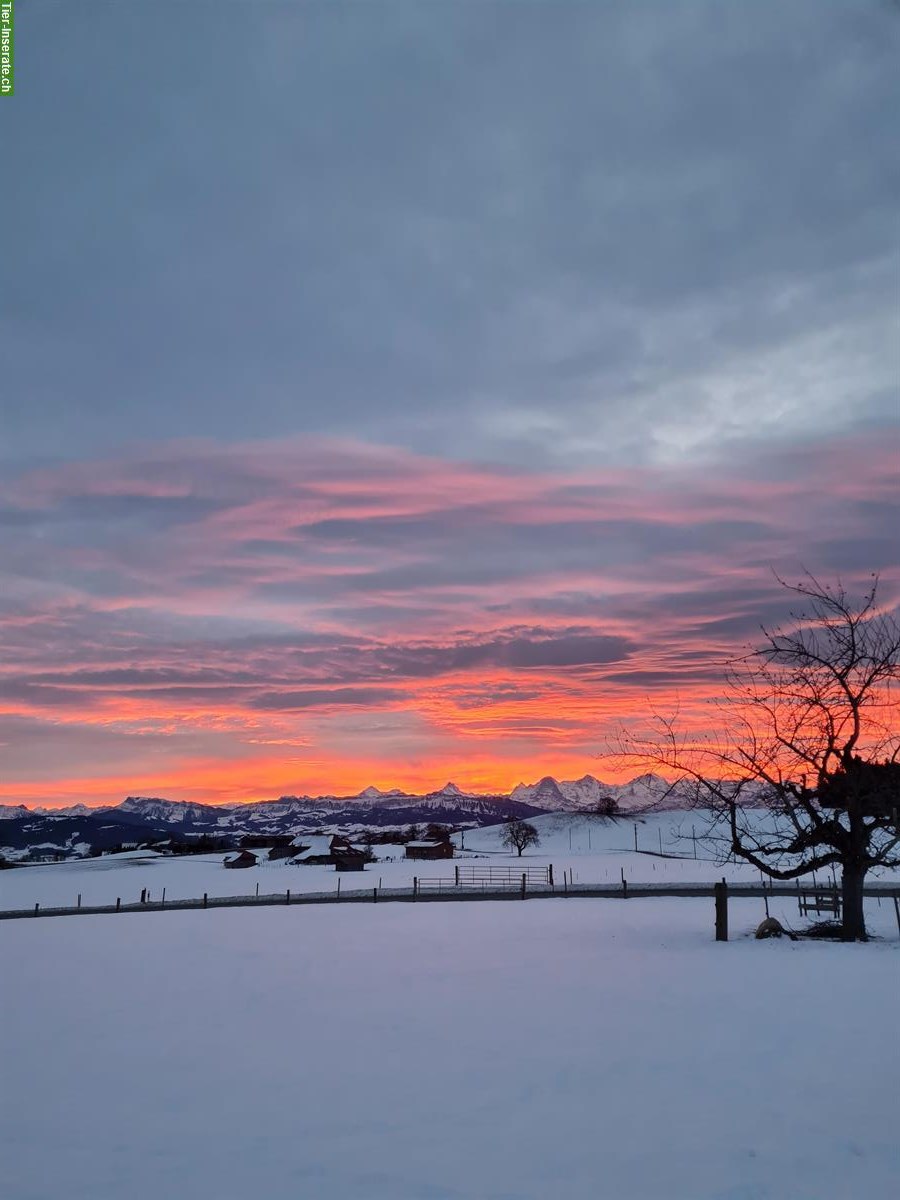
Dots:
(336, 851)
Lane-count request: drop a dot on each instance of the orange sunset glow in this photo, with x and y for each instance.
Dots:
(226, 625)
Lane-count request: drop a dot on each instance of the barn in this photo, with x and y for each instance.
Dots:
(351, 859)
(433, 849)
(278, 852)
(243, 858)
(336, 851)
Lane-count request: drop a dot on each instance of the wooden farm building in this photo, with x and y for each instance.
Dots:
(350, 860)
(336, 851)
(243, 858)
(434, 849)
(311, 849)
(281, 852)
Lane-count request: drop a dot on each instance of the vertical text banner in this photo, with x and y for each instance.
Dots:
(7, 48)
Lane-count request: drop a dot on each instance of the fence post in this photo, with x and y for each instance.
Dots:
(118, 903)
(550, 874)
(415, 886)
(204, 899)
(721, 894)
(456, 875)
(339, 887)
(36, 907)
(287, 896)
(897, 911)
(164, 898)
(374, 895)
(523, 885)
(79, 899)
(635, 838)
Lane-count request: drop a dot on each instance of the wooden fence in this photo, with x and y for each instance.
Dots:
(473, 875)
(819, 898)
(445, 890)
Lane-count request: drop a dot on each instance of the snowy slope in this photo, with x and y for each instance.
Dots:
(573, 1050)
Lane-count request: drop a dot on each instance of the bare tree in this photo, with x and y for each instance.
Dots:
(803, 773)
(520, 835)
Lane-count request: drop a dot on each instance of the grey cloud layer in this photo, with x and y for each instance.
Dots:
(571, 232)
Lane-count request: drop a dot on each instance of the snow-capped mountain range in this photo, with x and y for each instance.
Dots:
(147, 818)
(588, 792)
(548, 794)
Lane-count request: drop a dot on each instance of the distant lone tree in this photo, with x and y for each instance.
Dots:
(804, 772)
(520, 835)
(606, 806)
(413, 833)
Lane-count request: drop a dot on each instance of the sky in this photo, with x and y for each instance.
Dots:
(402, 392)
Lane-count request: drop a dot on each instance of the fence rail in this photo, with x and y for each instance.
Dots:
(475, 876)
(819, 898)
(442, 884)
(446, 892)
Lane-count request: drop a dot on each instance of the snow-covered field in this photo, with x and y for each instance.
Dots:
(577, 1051)
(593, 849)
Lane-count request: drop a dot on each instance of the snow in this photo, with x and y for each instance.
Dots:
(571, 1049)
(13, 811)
(315, 844)
(593, 849)
(589, 791)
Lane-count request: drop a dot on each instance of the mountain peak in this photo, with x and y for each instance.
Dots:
(138, 803)
(13, 811)
(648, 780)
(546, 789)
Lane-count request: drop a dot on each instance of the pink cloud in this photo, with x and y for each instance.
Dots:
(273, 594)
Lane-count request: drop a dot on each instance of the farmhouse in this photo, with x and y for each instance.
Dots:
(243, 858)
(321, 849)
(350, 859)
(281, 852)
(312, 849)
(434, 849)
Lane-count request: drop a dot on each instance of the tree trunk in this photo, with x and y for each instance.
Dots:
(520, 849)
(854, 921)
